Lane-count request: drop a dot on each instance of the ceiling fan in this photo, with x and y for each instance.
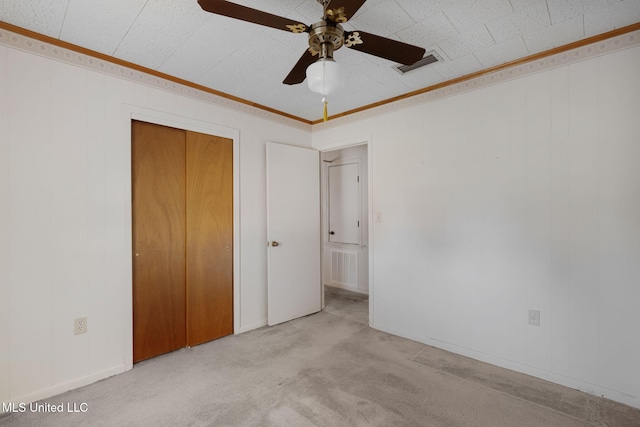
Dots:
(325, 37)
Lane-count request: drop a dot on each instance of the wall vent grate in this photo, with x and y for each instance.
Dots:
(430, 57)
(344, 268)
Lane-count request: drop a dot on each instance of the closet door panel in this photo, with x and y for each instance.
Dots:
(159, 240)
(209, 237)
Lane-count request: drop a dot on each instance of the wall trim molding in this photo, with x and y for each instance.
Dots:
(592, 389)
(69, 385)
(252, 326)
(39, 44)
(610, 42)
(48, 47)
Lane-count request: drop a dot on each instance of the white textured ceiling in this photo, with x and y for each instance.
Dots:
(177, 37)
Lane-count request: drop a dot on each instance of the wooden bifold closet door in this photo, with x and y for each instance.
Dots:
(182, 238)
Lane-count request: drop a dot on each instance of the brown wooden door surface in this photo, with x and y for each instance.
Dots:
(159, 241)
(209, 237)
(182, 238)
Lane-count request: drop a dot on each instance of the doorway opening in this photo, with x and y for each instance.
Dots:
(345, 228)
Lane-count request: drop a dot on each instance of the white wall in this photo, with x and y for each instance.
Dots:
(64, 210)
(524, 194)
(520, 195)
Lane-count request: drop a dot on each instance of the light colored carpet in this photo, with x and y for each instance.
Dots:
(327, 369)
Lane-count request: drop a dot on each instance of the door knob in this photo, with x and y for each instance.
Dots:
(274, 244)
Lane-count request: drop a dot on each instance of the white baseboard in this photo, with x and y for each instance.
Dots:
(347, 288)
(69, 385)
(250, 327)
(585, 387)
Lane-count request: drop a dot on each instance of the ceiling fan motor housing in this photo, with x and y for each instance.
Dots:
(325, 37)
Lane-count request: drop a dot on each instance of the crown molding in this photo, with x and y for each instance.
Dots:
(605, 43)
(20, 38)
(29, 41)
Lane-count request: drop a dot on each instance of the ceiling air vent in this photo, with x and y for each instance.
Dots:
(429, 58)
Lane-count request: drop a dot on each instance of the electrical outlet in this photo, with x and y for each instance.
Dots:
(80, 326)
(534, 317)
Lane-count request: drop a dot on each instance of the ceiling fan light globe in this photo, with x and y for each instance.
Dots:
(325, 77)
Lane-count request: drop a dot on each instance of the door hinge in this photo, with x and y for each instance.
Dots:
(358, 178)
(358, 223)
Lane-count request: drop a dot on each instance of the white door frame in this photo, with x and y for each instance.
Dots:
(129, 113)
(346, 144)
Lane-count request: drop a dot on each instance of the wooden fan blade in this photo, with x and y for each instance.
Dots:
(383, 47)
(343, 10)
(299, 72)
(243, 13)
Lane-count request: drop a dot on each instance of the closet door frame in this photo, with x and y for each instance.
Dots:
(129, 114)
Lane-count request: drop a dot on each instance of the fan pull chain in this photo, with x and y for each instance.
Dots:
(324, 101)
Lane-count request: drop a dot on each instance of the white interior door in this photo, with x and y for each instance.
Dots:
(344, 204)
(293, 231)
